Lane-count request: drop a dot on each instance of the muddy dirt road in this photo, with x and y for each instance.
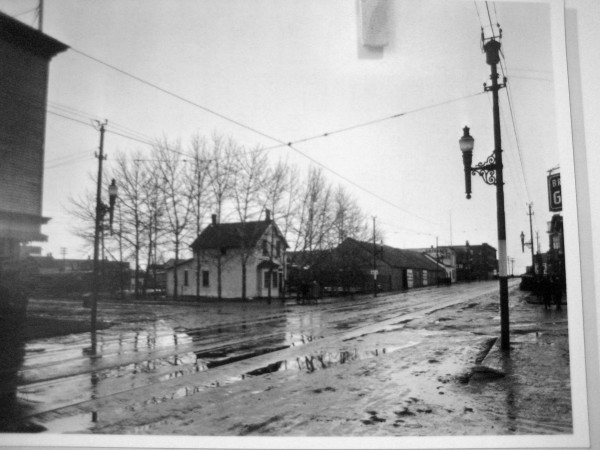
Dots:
(392, 365)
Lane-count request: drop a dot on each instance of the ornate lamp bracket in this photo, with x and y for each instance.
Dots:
(486, 170)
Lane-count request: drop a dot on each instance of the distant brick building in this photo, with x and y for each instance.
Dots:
(475, 262)
(25, 54)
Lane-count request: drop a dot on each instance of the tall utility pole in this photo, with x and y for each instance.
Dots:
(374, 261)
(492, 52)
(97, 231)
(530, 214)
(492, 173)
(40, 15)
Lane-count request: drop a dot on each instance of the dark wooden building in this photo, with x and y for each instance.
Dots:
(348, 268)
(25, 54)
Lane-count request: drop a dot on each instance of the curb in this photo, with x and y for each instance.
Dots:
(492, 365)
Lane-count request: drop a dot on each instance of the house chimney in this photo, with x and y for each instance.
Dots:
(268, 215)
(214, 219)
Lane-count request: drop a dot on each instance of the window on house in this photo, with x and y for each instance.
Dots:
(186, 278)
(205, 279)
(265, 250)
(275, 279)
(278, 249)
(267, 279)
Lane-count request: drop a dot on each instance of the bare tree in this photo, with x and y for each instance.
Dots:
(220, 177)
(197, 185)
(83, 209)
(314, 221)
(177, 203)
(153, 218)
(131, 179)
(277, 197)
(349, 219)
(246, 189)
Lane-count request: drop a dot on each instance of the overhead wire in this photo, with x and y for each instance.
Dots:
(401, 228)
(90, 116)
(74, 159)
(372, 122)
(504, 70)
(281, 142)
(171, 93)
(508, 94)
(242, 125)
(25, 12)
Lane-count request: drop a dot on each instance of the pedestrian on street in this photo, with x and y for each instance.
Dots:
(556, 292)
(547, 292)
(537, 288)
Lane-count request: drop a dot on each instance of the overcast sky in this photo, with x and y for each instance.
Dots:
(294, 69)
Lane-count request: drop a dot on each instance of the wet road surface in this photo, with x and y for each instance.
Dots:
(160, 353)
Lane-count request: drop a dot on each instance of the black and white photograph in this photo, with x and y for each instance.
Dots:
(296, 224)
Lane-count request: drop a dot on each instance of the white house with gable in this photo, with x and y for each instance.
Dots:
(233, 260)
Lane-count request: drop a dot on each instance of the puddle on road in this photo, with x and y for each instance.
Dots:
(322, 360)
(304, 364)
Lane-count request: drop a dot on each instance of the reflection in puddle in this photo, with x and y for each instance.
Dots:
(301, 339)
(320, 361)
(307, 363)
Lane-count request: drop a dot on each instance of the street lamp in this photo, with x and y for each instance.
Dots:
(101, 210)
(491, 172)
(113, 192)
(528, 244)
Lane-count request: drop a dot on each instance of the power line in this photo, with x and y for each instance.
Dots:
(24, 12)
(503, 67)
(87, 115)
(401, 228)
(281, 142)
(172, 94)
(60, 158)
(348, 180)
(514, 123)
(76, 159)
(372, 122)
(489, 17)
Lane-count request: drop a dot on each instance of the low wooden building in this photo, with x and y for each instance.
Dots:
(357, 266)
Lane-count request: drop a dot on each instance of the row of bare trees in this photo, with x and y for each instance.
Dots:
(166, 198)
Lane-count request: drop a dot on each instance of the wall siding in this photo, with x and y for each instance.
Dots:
(24, 79)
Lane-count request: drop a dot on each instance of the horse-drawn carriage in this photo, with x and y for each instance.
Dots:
(308, 292)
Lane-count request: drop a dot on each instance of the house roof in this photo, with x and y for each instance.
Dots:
(170, 264)
(233, 235)
(29, 39)
(362, 253)
(406, 258)
(462, 249)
